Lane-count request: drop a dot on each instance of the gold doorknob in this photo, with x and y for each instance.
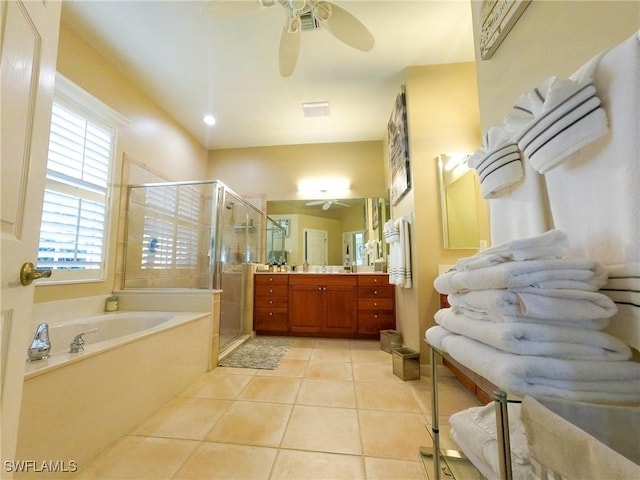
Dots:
(29, 273)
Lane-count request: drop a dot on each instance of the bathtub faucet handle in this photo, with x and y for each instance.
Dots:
(77, 344)
(40, 345)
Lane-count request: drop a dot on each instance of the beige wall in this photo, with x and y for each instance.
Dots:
(550, 38)
(152, 139)
(274, 172)
(442, 111)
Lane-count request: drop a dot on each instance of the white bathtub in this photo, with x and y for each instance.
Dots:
(76, 404)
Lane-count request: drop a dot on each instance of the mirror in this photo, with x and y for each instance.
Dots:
(458, 202)
(323, 231)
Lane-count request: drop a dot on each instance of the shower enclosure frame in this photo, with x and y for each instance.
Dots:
(229, 233)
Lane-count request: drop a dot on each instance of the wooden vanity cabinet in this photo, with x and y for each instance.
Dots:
(323, 305)
(271, 303)
(376, 305)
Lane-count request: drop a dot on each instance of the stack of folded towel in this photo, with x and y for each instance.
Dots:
(531, 321)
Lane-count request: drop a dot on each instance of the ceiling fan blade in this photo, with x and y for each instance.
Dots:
(341, 204)
(344, 26)
(315, 202)
(327, 205)
(290, 45)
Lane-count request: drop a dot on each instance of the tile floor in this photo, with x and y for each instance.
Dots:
(333, 409)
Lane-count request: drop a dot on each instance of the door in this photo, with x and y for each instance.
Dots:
(315, 246)
(29, 43)
(341, 309)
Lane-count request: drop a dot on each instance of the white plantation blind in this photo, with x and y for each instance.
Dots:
(73, 230)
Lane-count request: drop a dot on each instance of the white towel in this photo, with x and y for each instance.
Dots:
(400, 256)
(551, 244)
(552, 304)
(435, 336)
(623, 287)
(475, 431)
(497, 163)
(603, 223)
(578, 274)
(581, 380)
(391, 232)
(589, 324)
(537, 339)
(570, 117)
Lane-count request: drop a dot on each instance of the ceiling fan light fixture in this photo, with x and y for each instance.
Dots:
(315, 109)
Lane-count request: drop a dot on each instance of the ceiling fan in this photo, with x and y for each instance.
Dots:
(308, 15)
(326, 204)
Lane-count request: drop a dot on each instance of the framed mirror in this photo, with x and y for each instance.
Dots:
(458, 202)
(324, 230)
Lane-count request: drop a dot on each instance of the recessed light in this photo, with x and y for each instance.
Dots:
(209, 120)
(315, 109)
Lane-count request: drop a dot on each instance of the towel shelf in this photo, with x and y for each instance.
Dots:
(449, 456)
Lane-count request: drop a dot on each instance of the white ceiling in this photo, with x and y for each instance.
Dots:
(192, 63)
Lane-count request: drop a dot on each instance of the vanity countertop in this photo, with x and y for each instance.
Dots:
(313, 272)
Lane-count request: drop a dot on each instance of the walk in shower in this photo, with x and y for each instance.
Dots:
(194, 235)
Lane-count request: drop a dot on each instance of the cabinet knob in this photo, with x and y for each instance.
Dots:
(270, 290)
(270, 302)
(375, 292)
(271, 314)
(375, 304)
(375, 315)
(375, 280)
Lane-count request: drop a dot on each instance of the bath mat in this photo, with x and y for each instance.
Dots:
(263, 353)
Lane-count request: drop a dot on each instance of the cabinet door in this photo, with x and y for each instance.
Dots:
(341, 309)
(306, 309)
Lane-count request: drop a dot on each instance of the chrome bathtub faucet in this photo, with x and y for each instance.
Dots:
(77, 344)
(40, 345)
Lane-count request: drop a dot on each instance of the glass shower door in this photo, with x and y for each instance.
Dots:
(234, 230)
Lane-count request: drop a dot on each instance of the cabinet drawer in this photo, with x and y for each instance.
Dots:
(271, 302)
(330, 279)
(373, 322)
(269, 279)
(380, 291)
(270, 320)
(372, 280)
(375, 303)
(271, 291)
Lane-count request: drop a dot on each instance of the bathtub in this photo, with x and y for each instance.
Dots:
(77, 404)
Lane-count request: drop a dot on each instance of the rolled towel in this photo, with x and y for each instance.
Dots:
(589, 324)
(549, 245)
(497, 163)
(475, 431)
(581, 380)
(537, 339)
(543, 303)
(577, 274)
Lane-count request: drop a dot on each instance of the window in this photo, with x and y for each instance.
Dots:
(75, 214)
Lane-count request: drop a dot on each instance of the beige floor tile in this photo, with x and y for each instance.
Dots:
(287, 368)
(252, 423)
(370, 356)
(213, 461)
(298, 465)
(140, 458)
(329, 370)
(452, 399)
(331, 355)
(188, 418)
(374, 372)
(232, 371)
(323, 429)
(364, 344)
(327, 393)
(298, 353)
(332, 343)
(390, 469)
(304, 342)
(389, 396)
(392, 434)
(220, 386)
(271, 389)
